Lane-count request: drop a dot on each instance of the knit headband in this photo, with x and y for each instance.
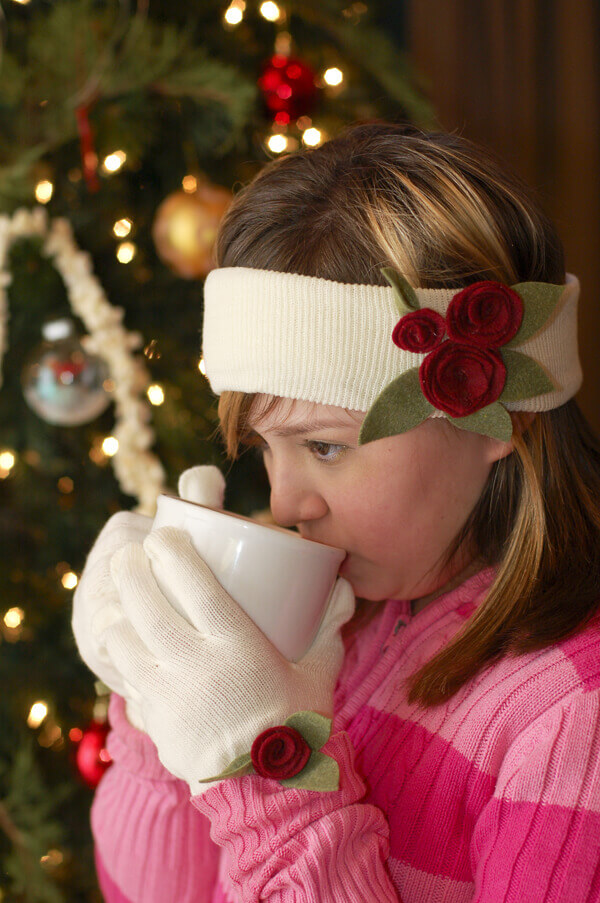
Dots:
(400, 353)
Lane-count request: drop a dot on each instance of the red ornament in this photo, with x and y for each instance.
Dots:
(89, 158)
(487, 314)
(420, 331)
(462, 379)
(91, 756)
(288, 87)
(279, 752)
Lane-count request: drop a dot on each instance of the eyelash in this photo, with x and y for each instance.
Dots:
(312, 445)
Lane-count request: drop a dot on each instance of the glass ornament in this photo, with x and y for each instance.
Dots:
(62, 382)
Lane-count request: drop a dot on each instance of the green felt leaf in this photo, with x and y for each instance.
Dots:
(314, 728)
(493, 420)
(241, 765)
(321, 772)
(540, 299)
(400, 407)
(404, 294)
(524, 377)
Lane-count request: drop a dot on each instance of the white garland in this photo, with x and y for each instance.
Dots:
(138, 471)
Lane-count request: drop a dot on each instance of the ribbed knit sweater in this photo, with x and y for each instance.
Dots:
(493, 796)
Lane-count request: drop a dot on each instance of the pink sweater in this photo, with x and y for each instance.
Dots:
(493, 796)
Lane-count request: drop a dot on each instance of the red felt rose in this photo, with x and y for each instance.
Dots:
(419, 331)
(462, 379)
(487, 314)
(279, 752)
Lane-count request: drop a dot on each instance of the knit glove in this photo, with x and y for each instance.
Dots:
(217, 698)
(96, 602)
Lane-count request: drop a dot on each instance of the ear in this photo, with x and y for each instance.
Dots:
(521, 421)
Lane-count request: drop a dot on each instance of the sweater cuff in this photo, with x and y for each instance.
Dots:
(130, 747)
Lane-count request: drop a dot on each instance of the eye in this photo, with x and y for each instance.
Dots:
(326, 452)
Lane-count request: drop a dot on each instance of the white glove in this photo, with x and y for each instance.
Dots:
(209, 685)
(96, 602)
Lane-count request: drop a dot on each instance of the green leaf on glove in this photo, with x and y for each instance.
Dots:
(404, 294)
(240, 766)
(321, 772)
(315, 728)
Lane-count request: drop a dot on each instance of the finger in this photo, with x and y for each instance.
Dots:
(204, 484)
(159, 626)
(340, 609)
(207, 605)
(131, 658)
(123, 527)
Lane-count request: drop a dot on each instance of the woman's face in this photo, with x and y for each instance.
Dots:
(394, 504)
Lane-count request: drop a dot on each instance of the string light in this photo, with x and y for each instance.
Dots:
(37, 713)
(202, 366)
(43, 191)
(65, 485)
(234, 13)
(155, 394)
(270, 11)
(22, 2)
(69, 580)
(113, 162)
(126, 252)
(312, 137)
(110, 446)
(122, 227)
(13, 618)
(7, 462)
(189, 184)
(277, 143)
(52, 859)
(333, 76)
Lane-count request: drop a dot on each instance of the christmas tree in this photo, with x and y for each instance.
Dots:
(125, 130)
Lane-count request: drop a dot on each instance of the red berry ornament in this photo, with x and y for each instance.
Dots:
(288, 87)
(91, 756)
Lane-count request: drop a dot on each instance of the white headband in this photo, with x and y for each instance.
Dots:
(309, 338)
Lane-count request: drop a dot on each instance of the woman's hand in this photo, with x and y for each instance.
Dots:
(209, 685)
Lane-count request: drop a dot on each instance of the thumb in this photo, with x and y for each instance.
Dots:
(339, 611)
(203, 484)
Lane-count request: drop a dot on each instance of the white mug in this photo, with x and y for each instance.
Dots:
(282, 581)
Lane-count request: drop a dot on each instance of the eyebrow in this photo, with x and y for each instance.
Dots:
(303, 430)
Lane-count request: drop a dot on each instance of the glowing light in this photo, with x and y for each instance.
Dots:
(110, 446)
(69, 580)
(51, 859)
(22, 2)
(37, 713)
(270, 11)
(155, 394)
(277, 143)
(312, 137)
(234, 13)
(122, 227)
(75, 734)
(126, 252)
(189, 184)
(14, 617)
(202, 366)
(43, 191)
(7, 462)
(333, 76)
(114, 161)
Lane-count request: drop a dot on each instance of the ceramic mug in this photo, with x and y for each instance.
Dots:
(281, 580)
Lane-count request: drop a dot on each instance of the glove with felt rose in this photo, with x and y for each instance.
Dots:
(216, 697)
(96, 602)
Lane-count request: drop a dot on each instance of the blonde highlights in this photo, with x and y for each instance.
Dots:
(444, 213)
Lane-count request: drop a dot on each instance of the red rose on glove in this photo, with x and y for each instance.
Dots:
(420, 331)
(461, 379)
(487, 314)
(279, 752)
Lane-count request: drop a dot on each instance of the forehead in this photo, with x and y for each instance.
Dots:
(285, 416)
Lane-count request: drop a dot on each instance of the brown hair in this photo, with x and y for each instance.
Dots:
(444, 212)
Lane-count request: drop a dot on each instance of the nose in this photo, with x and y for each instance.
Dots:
(294, 500)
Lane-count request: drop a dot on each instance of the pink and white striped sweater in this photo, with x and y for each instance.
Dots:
(493, 796)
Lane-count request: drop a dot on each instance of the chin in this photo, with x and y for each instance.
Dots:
(364, 588)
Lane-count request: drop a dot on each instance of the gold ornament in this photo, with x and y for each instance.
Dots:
(185, 229)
